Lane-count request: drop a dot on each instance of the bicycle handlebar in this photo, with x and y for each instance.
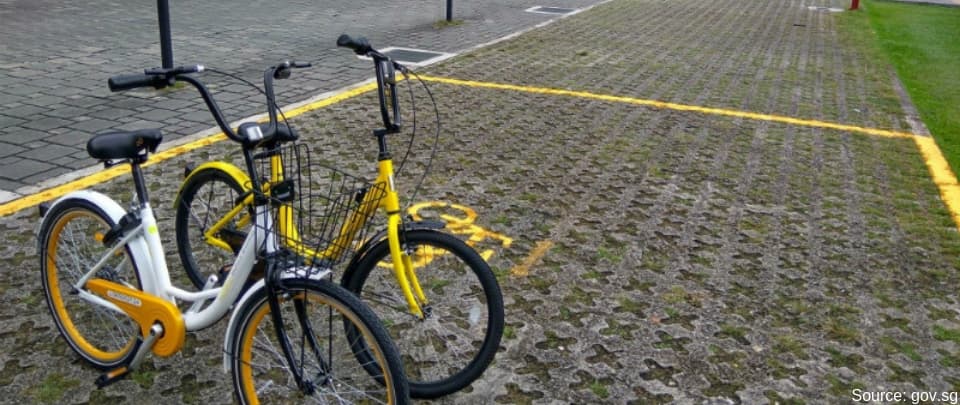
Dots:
(128, 82)
(170, 72)
(386, 79)
(280, 71)
(360, 46)
(159, 78)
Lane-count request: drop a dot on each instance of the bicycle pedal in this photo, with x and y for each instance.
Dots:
(112, 376)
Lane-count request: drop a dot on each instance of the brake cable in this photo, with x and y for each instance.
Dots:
(436, 138)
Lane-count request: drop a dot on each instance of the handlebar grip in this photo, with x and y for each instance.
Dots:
(360, 46)
(179, 70)
(127, 82)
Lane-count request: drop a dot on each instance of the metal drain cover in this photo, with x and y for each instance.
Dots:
(550, 10)
(414, 57)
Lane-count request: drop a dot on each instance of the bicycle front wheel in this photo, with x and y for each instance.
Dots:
(70, 246)
(459, 337)
(314, 314)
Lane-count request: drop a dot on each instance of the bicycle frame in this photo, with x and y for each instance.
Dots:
(150, 263)
(389, 201)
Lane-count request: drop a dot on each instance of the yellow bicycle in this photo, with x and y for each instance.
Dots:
(441, 303)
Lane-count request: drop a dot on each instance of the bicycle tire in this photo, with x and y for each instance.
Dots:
(260, 371)
(458, 282)
(70, 244)
(201, 199)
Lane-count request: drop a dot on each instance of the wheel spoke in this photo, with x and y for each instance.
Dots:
(457, 341)
(321, 351)
(71, 247)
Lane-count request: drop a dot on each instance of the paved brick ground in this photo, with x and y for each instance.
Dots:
(55, 58)
(696, 259)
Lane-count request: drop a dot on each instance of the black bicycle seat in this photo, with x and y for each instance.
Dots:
(123, 144)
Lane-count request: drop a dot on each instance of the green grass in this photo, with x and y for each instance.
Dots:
(599, 389)
(509, 332)
(611, 255)
(52, 388)
(942, 333)
(921, 42)
(144, 377)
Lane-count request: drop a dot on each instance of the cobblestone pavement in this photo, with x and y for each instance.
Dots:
(695, 258)
(55, 58)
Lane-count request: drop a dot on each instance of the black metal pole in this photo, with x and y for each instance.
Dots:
(449, 10)
(166, 44)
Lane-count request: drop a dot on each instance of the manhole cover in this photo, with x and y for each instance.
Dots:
(414, 57)
(550, 10)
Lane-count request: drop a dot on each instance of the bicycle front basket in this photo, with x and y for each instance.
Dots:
(320, 213)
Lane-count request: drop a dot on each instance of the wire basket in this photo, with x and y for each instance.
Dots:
(319, 214)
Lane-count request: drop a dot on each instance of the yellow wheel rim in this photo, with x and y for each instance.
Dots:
(56, 297)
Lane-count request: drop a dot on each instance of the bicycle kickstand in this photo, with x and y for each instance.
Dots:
(145, 345)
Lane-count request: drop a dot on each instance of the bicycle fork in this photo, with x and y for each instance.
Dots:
(402, 263)
(274, 292)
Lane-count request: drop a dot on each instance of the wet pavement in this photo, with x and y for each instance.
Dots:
(689, 257)
(55, 59)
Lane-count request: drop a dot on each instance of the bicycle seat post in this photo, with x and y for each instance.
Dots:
(138, 181)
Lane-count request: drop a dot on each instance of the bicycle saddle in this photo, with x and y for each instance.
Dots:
(123, 144)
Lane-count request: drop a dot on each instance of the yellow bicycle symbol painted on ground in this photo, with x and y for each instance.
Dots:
(461, 220)
(462, 224)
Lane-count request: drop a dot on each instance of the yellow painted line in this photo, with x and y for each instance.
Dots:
(116, 171)
(940, 171)
(334, 99)
(523, 269)
(672, 106)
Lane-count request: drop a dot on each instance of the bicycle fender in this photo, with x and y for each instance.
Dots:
(139, 252)
(229, 169)
(233, 322)
(381, 235)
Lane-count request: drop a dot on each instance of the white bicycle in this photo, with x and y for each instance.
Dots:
(109, 290)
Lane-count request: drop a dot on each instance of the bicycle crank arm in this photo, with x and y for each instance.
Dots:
(147, 310)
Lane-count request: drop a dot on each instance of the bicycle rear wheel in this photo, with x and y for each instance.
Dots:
(70, 245)
(314, 314)
(457, 341)
(205, 199)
